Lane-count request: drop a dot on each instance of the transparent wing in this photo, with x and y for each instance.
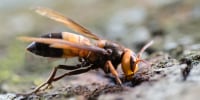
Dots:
(66, 21)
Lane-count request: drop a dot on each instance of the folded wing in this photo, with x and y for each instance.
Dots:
(58, 43)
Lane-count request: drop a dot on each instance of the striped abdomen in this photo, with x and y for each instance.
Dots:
(45, 50)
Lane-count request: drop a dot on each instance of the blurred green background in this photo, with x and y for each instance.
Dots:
(169, 22)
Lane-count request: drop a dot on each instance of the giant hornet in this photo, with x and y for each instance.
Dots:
(92, 51)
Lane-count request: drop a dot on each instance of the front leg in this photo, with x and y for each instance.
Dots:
(113, 71)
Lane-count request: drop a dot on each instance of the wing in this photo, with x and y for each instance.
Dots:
(67, 21)
(58, 43)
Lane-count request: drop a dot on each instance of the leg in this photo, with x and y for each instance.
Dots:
(52, 75)
(114, 72)
(66, 67)
(75, 72)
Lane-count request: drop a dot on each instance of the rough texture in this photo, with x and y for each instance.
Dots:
(167, 79)
(173, 25)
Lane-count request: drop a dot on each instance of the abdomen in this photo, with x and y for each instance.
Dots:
(77, 39)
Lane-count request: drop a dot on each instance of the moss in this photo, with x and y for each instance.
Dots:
(13, 60)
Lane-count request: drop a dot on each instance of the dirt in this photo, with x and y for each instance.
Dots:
(174, 57)
(167, 78)
(89, 92)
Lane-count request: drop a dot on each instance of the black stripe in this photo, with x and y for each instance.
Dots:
(47, 51)
(53, 35)
(132, 62)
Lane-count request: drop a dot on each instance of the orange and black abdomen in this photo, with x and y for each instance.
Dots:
(76, 39)
(45, 50)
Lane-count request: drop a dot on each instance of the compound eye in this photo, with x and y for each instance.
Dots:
(132, 63)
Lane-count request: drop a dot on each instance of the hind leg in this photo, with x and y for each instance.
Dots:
(52, 77)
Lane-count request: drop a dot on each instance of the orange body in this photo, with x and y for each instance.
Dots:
(78, 39)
